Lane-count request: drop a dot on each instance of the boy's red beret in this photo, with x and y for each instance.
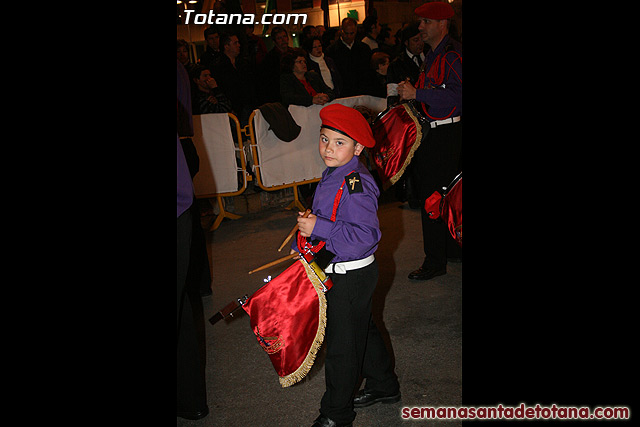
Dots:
(349, 122)
(435, 10)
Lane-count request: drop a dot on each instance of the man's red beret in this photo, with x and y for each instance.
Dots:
(349, 122)
(435, 10)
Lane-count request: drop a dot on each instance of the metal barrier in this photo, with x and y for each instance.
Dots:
(218, 174)
(276, 164)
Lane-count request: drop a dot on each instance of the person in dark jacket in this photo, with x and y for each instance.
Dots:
(408, 62)
(212, 51)
(351, 58)
(299, 86)
(377, 85)
(235, 78)
(387, 43)
(269, 70)
(206, 96)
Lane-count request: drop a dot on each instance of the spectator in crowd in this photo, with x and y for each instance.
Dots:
(329, 37)
(183, 55)
(299, 86)
(407, 64)
(206, 96)
(377, 85)
(387, 43)
(398, 35)
(235, 78)
(270, 69)
(212, 51)
(323, 65)
(351, 58)
(307, 32)
(256, 48)
(222, 7)
(371, 30)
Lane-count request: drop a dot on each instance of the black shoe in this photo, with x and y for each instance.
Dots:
(195, 415)
(427, 273)
(366, 398)
(323, 421)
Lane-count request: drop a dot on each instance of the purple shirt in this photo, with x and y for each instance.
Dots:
(185, 185)
(443, 81)
(356, 232)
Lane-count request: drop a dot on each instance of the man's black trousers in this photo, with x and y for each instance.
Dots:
(191, 387)
(435, 163)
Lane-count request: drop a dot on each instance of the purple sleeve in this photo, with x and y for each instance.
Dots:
(185, 185)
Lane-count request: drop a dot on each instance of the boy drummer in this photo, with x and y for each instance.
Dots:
(345, 217)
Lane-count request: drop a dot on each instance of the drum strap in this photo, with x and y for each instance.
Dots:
(336, 201)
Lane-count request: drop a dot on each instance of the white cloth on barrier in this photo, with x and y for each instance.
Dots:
(373, 102)
(216, 149)
(287, 162)
(299, 160)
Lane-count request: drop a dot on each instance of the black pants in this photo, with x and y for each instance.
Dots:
(435, 163)
(354, 344)
(191, 394)
(199, 270)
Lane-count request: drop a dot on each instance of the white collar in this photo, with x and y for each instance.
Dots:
(411, 55)
(349, 46)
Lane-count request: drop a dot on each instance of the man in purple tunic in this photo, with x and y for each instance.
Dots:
(439, 158)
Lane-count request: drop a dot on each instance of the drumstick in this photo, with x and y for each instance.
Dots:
(293, 231)
(291, 256)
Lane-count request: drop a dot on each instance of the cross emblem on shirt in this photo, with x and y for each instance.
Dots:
(352, 182)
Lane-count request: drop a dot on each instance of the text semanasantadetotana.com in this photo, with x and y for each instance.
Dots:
(522, 412)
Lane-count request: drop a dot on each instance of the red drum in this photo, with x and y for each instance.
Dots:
(398, 132)
(288, 317)
(448, 206)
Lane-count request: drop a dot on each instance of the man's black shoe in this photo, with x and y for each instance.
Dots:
(367, 398)
(323, 421)
(427, 273)
(194, 415)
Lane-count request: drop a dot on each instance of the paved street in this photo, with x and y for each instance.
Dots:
(421, 321)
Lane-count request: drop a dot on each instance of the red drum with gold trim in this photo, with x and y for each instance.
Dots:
(398, 132)
(288, 316)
